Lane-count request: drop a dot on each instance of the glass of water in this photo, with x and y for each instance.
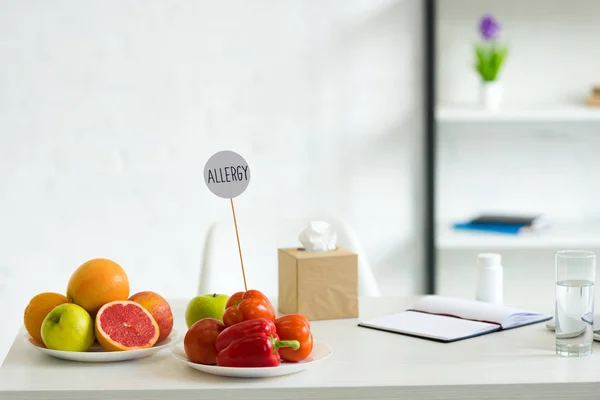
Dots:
(574, 307)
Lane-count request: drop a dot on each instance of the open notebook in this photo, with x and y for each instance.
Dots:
(448, 319)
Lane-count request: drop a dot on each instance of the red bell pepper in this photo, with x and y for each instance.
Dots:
(247, 328)
(244, 306)
(252, 351)
(294, 327)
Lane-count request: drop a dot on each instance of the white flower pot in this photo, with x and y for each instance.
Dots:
(491, 95)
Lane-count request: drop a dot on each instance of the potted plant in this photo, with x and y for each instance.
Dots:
(490, 57)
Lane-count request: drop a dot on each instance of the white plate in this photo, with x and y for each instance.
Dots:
(577, 331)
(320, 352)
(97, 354)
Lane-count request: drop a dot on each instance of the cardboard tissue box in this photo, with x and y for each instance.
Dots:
(319, 280)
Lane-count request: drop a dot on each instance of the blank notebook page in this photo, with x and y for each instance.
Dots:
(508, 317)
(437, 327)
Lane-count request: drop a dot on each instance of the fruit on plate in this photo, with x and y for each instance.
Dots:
(125, 325)
(37, 309)
(97, 282)
(68, 327)
(160, 310)
(199, 341)
(205, 306)
(252, 350)
(294, 327)
(243, 306)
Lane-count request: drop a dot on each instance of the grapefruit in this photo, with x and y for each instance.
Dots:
(37, 309)
(125, 325)
(97, 282)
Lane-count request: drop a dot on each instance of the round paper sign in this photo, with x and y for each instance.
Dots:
(227, 174)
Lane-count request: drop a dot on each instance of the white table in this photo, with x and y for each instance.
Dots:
(366, 364)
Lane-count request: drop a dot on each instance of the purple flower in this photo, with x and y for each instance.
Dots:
(489, 27)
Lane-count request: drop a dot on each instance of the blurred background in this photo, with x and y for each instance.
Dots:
(109, 110)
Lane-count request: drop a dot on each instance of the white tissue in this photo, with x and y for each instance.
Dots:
(318, 236)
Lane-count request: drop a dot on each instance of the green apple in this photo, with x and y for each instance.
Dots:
(206, 306)
(68, 327)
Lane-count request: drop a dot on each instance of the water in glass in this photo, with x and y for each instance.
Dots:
(574, 317)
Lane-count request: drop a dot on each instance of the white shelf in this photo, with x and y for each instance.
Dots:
(580, 113)
(558, 235)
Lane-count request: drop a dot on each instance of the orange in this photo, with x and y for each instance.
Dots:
(97, 282)
(37, 309)
(125, 325)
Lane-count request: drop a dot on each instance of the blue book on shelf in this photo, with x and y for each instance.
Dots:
(493, 228)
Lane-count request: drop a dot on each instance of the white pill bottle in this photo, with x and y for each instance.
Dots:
(489, 278)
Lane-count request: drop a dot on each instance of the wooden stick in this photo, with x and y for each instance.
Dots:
(237, 235)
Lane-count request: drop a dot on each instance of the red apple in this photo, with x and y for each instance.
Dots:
(199, 341)
(159, 308)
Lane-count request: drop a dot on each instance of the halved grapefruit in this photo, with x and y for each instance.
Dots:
(125, 325)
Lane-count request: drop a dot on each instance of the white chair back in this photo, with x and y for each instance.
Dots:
(260, 239)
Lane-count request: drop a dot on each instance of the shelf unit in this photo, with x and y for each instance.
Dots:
(447, 245)
(561, 234)
(516, 113)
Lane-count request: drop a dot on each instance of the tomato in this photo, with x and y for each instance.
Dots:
(199, 341)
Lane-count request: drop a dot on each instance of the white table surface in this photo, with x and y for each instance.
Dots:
(366, 364)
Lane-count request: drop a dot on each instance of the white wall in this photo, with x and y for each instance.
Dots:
(550, 168)
(109, 110)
